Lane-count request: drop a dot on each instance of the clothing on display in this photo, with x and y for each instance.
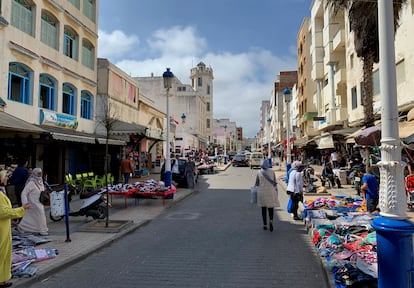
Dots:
(342, 233)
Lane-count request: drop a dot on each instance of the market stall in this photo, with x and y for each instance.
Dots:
(342, 233)
(149, 189)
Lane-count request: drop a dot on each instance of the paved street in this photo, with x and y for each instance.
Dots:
(212, 239)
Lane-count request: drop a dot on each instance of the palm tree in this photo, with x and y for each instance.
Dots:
(363, 21)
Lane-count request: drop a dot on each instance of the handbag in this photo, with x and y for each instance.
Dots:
(253, 195)
(289, 205)
(44, 198)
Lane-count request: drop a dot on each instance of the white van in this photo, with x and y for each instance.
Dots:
(256, 159)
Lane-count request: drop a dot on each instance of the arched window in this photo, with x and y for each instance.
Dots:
(47, 92)
(89, 9)
(68, 99)
(19, 83)
(70, 43)
(22, 15)
(88, 54)
(49, 33)
(86, 104)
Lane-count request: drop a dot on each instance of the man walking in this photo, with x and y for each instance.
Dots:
(189, 173)
(127, 168)
(19, 178)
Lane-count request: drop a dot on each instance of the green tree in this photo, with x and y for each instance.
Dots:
(363, 21)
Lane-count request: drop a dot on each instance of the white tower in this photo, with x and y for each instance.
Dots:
(202, 82)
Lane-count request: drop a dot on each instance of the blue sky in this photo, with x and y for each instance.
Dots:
(246, 43)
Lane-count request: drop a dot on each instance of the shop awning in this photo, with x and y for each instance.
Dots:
(345, 131)
(11, 123)
(111, 141)
(123, 128)
(69, 135)
(406, 130)
(73, 138)
(324, 141)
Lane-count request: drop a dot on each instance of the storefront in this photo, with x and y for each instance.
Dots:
(141, 142)
(18, 140)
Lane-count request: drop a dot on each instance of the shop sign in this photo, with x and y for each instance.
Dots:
(155, 133)
(59, 120)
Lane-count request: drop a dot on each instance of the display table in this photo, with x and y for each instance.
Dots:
(125, 193)
(149, 189)
(167, 194)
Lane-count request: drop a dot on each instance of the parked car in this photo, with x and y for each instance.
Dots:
(180, 178)
(240, 160)
(256, 159)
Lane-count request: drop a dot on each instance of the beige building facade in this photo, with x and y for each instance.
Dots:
(125, 114)
(190, 105)
(48, 66)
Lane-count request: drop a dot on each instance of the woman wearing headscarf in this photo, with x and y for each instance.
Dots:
(34, 221)
(267, 194)
(295, 189)
(6, 214)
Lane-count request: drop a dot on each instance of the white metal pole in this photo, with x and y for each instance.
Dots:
(392, 190)
(168, 156)
(288, 152)
(393, 229)
(268, 147)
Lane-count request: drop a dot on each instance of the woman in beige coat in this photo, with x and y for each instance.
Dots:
(267, 194)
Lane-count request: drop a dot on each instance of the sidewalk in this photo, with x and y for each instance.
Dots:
(346, 190)
(86, 238)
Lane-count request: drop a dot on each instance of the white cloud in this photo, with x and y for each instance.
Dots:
(241, 81)
(177, 41)
(116, 44)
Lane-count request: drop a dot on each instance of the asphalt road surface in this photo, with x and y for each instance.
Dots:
(212, 239)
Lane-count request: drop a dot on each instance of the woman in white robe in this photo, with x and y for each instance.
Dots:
(34, 221)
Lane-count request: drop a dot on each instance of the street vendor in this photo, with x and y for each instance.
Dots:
(369, 189)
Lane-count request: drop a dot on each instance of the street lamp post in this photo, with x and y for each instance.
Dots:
(261, 145)
(394, 230)
(225, 144)
(287, 93)
(269, 120)
(168, 76)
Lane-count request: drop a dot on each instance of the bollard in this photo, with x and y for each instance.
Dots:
(394, 252)
(168, 179)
